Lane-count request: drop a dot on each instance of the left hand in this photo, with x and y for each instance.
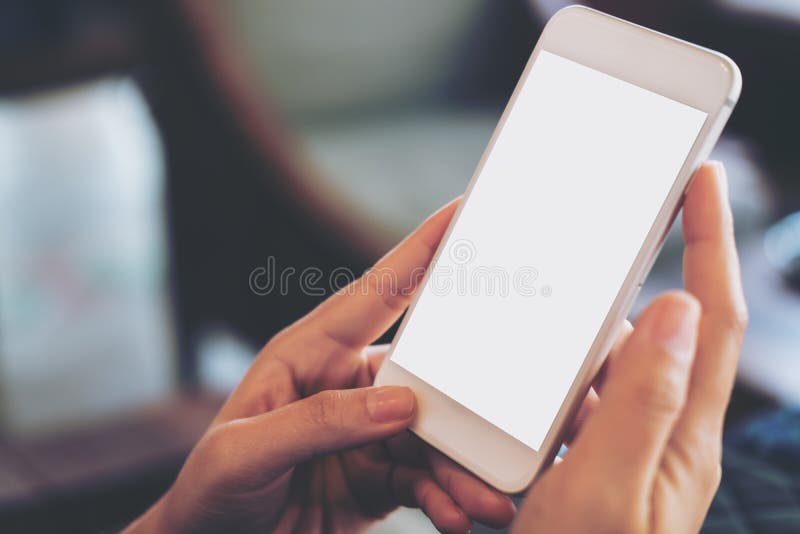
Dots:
(305, 445)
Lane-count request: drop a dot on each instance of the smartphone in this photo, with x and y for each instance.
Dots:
(559, 226)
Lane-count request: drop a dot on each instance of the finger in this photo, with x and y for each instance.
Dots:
(367, 471)
(380, 485)
(361, 312)
(479, 501)
(375, 355)
(592, 398)
(416, 488)
(327, 422)
(408, 449)
(644, 393)
(371, 360)
(587, 407)
(711, 273)
(625, 332)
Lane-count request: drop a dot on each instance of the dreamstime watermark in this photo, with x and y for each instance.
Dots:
(457, 271)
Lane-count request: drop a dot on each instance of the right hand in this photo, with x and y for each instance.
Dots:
(648, 457)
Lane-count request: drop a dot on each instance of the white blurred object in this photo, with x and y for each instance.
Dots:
(222, 360)
(403, 521)
(85, 326)
(547, 8)
(317, 56)
(782, 243)
(768, 8)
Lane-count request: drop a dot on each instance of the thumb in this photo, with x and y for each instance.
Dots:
(321, 424)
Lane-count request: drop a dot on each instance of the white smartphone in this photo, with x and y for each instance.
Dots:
(560, 225)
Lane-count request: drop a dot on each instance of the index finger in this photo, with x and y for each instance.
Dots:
(361, 312)
(711, 274)
(477, 499)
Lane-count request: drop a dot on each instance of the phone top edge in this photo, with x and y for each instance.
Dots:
(724, 62)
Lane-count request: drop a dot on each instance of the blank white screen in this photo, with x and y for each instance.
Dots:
(562, 206)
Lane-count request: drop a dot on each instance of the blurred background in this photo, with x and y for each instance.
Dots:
(153, 154)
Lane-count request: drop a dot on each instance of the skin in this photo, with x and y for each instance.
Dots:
(647, 458)
(304, 444)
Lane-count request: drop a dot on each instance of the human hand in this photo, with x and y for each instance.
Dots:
(305, 445)
(647, 458)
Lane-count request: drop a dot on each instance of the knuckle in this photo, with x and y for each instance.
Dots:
(739, 318)
(278, 347)
(619, 514)
(700, 454)
(661, 398)
(217, 452)
(218, 442)
(705, 444)
(713, 478)
(734, 319)
(325, 409)
(712, 445)
(706, 462)
(384, 284)
(221, 459)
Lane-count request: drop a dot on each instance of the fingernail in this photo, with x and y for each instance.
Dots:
(390, 403)
(677, 328)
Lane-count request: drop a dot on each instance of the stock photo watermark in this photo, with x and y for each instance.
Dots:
(457, 271)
